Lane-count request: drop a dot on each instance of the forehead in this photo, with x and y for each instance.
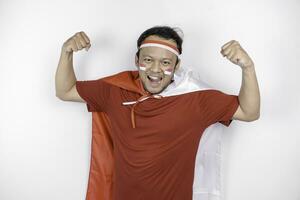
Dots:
(157, 51)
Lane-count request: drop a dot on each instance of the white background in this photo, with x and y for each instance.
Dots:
(45, 142)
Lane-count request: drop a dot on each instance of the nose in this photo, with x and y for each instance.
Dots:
(156, 67)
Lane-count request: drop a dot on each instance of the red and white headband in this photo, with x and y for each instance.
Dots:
(161, 44)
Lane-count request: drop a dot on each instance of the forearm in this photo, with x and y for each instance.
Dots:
(65, 77)
(249, 96)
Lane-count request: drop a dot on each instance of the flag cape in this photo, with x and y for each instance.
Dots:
(207, 175)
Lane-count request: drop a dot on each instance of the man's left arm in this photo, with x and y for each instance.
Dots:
(249, 96)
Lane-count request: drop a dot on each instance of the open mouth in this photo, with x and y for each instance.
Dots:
(154, 78)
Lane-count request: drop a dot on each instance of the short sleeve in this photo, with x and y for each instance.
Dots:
(96, 94)
(219, 107)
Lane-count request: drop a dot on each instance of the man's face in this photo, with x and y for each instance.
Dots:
(156, 61)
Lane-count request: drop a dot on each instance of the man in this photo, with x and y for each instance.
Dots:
(155, 137)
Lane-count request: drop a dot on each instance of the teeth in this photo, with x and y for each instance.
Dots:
(154, 78)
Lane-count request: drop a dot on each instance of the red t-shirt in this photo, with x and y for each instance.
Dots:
(156, 160)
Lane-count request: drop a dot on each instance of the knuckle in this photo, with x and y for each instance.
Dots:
(75, 42)
(237, 46)
(82, 42)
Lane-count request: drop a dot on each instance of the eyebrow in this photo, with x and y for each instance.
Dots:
(152, 57)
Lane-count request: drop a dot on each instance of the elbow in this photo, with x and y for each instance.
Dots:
(60, 96)
(253, 117)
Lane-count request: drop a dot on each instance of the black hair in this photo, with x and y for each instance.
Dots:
(165, 32)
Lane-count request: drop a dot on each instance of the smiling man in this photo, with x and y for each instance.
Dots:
(155, 137)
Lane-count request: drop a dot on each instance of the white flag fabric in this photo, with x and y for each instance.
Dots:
(208, 174)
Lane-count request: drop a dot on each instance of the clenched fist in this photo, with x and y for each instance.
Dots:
(236, 54)
(77, 42)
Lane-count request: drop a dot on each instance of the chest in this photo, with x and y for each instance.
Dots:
(157, 120)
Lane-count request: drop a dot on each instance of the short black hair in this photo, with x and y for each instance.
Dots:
(165, 32)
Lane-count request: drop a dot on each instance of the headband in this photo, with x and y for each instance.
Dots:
(161, 44)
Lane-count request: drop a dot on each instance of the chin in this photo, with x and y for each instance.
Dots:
(154, 91)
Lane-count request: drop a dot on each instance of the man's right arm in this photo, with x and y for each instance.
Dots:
(65, 79)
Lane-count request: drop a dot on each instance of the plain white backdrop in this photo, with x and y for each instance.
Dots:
(45, 142)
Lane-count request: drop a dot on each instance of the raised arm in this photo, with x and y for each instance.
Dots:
(249, 96)
(65, 78)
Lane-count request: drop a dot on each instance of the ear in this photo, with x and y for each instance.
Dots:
(136, 61)
(178, 64)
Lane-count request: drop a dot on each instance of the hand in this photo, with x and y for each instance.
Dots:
(77, 42)
(236, 54)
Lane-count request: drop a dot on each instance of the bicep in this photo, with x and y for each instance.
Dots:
(72, 95)
(240, 115)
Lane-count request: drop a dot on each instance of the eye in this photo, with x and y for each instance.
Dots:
(166, 63)
(147, 60)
